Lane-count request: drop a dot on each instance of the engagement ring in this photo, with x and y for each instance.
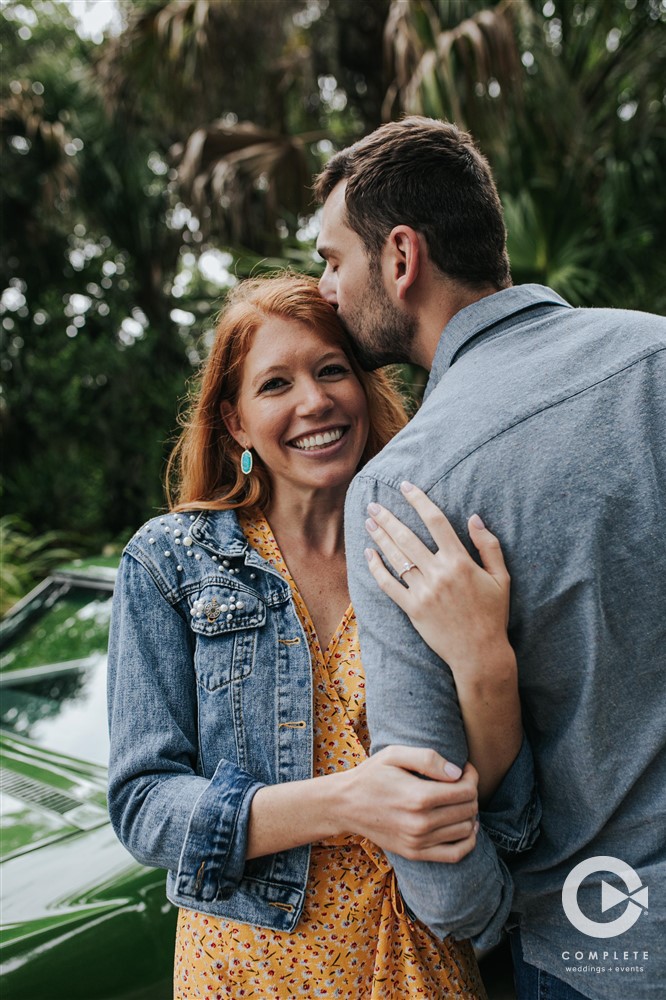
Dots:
(405, 569)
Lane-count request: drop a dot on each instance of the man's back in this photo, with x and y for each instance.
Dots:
(551, 424)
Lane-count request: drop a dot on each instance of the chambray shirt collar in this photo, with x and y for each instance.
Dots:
(480, 316)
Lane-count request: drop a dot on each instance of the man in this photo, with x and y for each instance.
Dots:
(550, 422)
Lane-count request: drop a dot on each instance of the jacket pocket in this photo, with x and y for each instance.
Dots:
(225, 622)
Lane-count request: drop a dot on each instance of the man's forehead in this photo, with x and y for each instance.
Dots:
(333, 219)
(335, 206)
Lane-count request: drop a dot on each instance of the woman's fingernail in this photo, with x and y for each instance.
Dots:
(476, 826)
(452, 770)
(368, 554)
(371, 525)
(406, 486)
(476, 521)
(373, 508)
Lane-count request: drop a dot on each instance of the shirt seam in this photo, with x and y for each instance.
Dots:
(394, 484)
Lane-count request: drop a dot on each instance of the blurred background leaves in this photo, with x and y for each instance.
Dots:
(27, 557)
(146, 169)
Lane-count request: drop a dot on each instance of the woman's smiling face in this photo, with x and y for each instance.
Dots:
(300, 407)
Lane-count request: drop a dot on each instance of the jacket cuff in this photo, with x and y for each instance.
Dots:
(212, 861)
(511, 817)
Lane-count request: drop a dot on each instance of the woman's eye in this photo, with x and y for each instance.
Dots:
(333, 370)
(273, 383)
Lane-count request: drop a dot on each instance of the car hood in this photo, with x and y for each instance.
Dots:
(61, 860)
(46, 797)
(68, 887)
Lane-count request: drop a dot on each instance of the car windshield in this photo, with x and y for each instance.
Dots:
(53, 669)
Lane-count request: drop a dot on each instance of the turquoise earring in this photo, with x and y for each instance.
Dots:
(246, 462)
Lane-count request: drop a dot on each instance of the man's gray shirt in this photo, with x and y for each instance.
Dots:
(550, 422)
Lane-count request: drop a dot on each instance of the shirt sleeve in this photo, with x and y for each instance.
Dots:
(411, 700)
(163, 811)
(511, 817)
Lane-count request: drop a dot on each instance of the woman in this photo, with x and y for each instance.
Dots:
(235, 677)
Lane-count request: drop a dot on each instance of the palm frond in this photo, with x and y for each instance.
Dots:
(551, 250)
(439, 72)
(238, 179)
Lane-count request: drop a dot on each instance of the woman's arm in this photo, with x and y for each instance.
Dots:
(461, 611)
(169, 816)
(164, 812)
(405, 799)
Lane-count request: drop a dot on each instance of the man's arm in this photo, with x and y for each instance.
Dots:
(412, 700)
(460, 608)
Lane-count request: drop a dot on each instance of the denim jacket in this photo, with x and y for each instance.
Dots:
(210, 698)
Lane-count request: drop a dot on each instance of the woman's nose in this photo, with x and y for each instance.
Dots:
(314, 399)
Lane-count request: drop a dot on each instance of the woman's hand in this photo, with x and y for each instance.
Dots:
(459, 608)
(412, 802)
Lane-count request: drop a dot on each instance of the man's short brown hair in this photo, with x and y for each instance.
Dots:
(429, 175)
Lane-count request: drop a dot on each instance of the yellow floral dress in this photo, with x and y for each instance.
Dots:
(354, 940)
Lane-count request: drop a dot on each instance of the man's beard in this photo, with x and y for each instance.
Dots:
(380, 333)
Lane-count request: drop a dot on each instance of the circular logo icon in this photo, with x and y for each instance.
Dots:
(636, 897)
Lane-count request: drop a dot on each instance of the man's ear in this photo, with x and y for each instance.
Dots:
(233, 422)
(403, 255)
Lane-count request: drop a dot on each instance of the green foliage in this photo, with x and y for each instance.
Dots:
(567, 101)
(92, 361)
(142, 176)
(26, 558)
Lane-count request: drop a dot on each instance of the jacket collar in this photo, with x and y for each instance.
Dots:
(481, 316)
(219, 530)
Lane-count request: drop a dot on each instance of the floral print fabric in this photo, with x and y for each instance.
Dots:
(354, 940)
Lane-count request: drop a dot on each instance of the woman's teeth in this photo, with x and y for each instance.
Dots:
(317, 440)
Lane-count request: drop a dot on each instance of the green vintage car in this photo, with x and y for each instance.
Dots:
(80, 919)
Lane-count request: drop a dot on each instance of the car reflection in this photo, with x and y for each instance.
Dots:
(59, 706)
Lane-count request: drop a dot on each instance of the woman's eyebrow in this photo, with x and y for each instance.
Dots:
(266, 373)
(279, 369)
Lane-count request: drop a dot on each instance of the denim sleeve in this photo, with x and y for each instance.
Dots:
(411, 700)
(165, 813)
